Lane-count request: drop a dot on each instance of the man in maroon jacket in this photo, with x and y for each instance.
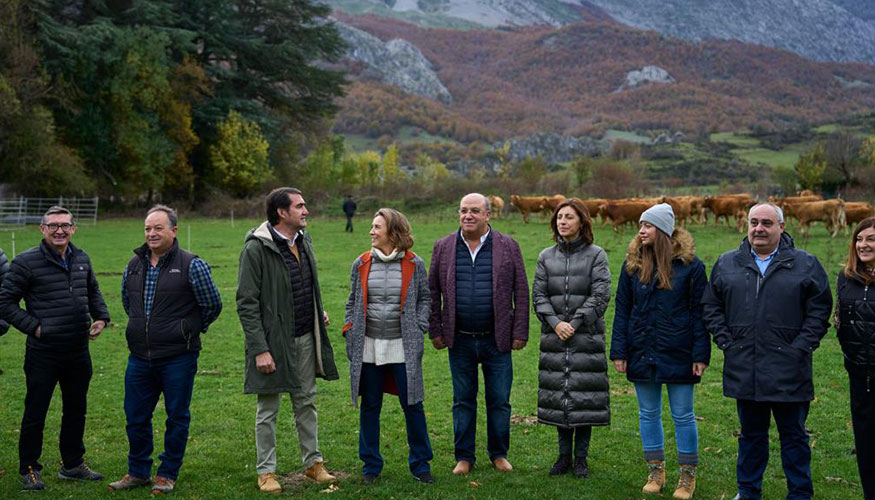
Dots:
(480, 311)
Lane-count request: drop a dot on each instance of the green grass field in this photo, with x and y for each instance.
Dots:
(221, 451)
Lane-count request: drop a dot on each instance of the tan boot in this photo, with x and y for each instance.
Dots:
(686, 483)
(656, 479)
(318, 473)
(268, 484)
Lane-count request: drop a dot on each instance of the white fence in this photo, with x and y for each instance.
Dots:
(21, 211)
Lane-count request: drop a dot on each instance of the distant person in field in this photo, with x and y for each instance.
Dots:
(570, 293)
(767, 307)
(280, 308)
(349, 208)
(386, 322)
(63, 311)
(170, 299)
(659, 339)
(855, 323)
(480, 311)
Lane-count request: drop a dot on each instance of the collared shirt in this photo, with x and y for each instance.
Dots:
(477, 249)
(205, 291)
(761, 263)
(63, 259)
(290, 241)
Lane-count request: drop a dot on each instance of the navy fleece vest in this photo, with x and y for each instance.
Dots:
(175, 324)
(474, 287)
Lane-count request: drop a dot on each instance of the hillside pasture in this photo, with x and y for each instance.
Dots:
(220, 459)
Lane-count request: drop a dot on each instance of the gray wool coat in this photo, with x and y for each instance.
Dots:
(415, 310)
(573, 284)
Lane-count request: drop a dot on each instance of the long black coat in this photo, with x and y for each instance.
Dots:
(855, 323)
(768, 326)
(573, 284)
(660, 333)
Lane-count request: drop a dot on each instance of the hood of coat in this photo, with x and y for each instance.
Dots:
(683, 249)
(262, 234)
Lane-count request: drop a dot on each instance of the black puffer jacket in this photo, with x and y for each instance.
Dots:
(768, 326)
(573, 284)
(4, 268)
(855, 323)
(61, 302)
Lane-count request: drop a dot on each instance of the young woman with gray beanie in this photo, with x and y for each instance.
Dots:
(659, 339)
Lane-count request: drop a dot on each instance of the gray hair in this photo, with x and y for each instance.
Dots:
(55, 210)
(485, 199)
(776, 208)
(171, 213)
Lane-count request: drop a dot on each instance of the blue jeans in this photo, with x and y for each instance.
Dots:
(145, 381)
(467, 352)
(753, 447)
(371, 390)
(680, 400)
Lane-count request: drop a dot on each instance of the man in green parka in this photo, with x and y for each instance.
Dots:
(287, 347)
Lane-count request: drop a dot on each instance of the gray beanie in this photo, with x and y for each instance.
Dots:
(661, 216)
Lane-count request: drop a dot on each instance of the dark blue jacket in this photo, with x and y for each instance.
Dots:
(768, 326)
(474, 287)
(4, 268)
(660, 333)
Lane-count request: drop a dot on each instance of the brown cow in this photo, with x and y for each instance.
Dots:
(697, 207)
(497, 205)
(728, 205)
(592, 206)
(527, 205)
(551, 202)
(623, 211)
(681, 208)
(856, 211)
(831, 212)
(788, 203)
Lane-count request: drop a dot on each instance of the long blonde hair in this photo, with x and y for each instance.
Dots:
(656, 259)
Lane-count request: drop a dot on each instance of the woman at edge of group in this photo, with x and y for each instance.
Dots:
(855, 324)
(570, 294)
(386, 321)
(659, 338)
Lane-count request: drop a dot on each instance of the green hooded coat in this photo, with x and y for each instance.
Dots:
(267, 314)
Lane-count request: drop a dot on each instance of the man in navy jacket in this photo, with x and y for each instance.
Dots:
(64, 309)
(767, 307)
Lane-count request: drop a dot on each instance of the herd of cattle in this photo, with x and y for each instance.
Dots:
(836, 214)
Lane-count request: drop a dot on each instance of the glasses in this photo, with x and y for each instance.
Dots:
(472, 211)
(63, 227)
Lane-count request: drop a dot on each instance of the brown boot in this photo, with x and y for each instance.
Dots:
(318, 473)
(656, 479)
(686, 483)
(267, 483)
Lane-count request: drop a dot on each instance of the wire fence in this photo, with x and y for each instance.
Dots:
(22, 211)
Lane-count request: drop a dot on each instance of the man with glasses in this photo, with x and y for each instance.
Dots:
(480, 311)
(64, 310)
(170, 299)
(767, 307)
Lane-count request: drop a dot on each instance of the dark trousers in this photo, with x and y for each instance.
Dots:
(753, 447)
(43, 370)
(371, 390)
(469, 351)
(145, 381)
(348, 223)
(574, 439)
(863, 417)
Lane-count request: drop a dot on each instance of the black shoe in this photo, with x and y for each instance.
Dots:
(425, 477)
(369, 478)
(741, 496)
(562, 465)
(79, 473)
(32, 480)
(581, 468)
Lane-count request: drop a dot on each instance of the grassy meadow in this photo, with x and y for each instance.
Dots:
(220, 459)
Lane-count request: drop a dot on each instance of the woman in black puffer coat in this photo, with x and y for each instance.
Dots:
(855, 323)
(659, 338)
(570, 294)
